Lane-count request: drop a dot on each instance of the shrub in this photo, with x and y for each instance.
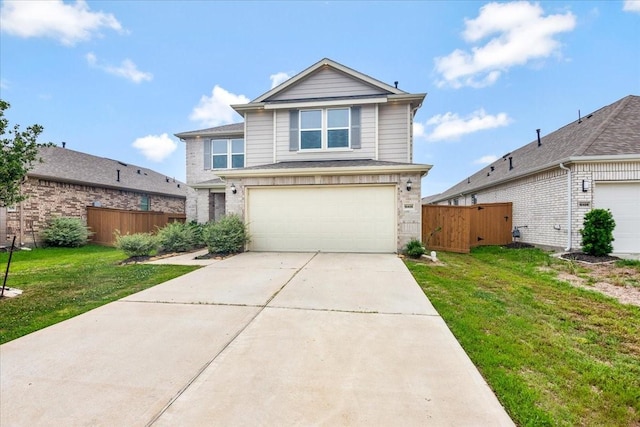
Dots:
(226, 236)
(66, 232)
(414, 248)
(197, 230)
(139, 244)
(176, 237)
(597, 233)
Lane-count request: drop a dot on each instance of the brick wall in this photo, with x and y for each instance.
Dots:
(48, 199)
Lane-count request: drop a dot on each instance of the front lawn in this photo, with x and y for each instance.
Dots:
(554, 354)
(60, 283)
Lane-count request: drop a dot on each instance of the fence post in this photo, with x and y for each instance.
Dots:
(6, 273)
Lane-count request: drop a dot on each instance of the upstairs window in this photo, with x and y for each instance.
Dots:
(227, 153)
(325, 129)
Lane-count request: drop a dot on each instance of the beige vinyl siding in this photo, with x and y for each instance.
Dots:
(327, 83)
(367, 150)
(259, 138)
(393, 132)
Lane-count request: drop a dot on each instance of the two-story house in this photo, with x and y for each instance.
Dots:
(322, 162)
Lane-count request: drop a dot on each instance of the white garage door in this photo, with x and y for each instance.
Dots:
(623, 199)
(322, 218)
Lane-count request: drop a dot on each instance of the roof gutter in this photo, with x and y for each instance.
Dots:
(355, 170)
(569, 206)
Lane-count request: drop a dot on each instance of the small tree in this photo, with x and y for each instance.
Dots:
(597, 233)
(18, 152)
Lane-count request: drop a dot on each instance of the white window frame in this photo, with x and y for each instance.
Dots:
(229, 153)
(324, 130)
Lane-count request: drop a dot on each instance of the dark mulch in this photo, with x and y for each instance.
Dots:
(518, 245)
(591, 259)
(135, 260)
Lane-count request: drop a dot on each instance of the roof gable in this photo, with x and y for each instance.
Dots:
(613, 130)
(312, 83)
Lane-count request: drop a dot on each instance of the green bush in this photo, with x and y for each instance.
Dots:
(176, 237)
(66, 232)
(597, 233)
(197, 229)
(139, 244)
(414, 248)
(226, 236)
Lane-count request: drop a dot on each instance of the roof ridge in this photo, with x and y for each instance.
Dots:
(603, 126)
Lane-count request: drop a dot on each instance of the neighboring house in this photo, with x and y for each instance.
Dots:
(68, 181)
(322, 162)
(593, 162)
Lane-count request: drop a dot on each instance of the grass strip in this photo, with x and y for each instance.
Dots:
(60, 283)
(554, 354)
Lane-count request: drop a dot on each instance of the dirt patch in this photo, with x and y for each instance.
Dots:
(622, 283)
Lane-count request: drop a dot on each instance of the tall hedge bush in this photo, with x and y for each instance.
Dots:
(597, 233)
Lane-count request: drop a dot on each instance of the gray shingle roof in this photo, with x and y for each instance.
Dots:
(610, 131)
(62, 164)
(231, 129)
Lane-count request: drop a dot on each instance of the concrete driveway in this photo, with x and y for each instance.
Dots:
(256, 339)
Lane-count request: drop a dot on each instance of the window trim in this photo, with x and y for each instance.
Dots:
(228, 154)
(324, 130)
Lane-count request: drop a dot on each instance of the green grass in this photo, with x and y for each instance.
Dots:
(59, 283)
(554, 354)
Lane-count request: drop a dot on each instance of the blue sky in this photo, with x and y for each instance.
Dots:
(117, 79)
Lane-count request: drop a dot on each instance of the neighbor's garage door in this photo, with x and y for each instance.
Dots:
(322, 218)
(624, 201)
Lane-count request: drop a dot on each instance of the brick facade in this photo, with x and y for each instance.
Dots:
(48, 199)
(540, 205)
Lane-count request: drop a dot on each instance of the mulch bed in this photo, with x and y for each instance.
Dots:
(591, 259)
(518, 245)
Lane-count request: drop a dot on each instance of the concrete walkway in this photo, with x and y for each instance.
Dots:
(255, 339)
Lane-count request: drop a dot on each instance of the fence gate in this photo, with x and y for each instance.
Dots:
(460, 228)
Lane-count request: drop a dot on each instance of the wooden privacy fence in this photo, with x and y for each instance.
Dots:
(104, 222)
(464, 227)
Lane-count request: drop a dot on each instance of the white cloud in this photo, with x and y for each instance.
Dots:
(127, 69)
(64, 22)
(485, 160)
(631, 6)
(4, 84)
(279, 78)
(155, 147)
(518, 33)
(418, 130)
(215, 110)
(450, 126)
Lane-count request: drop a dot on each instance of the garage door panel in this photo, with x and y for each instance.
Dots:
(329, 218)
(623, 199)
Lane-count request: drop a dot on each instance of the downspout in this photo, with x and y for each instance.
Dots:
(569, 205)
